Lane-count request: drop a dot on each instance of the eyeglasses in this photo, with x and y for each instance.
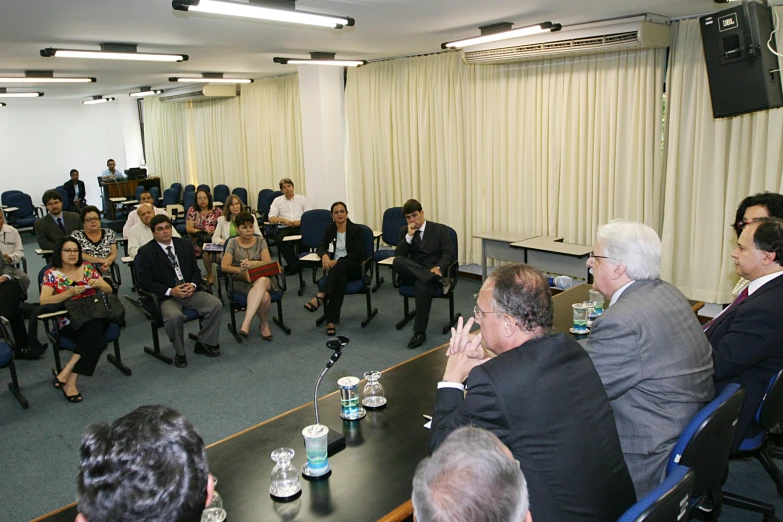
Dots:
(70, 250)
(599, 257)
(741, 224)
(91, 220)
(478, 313)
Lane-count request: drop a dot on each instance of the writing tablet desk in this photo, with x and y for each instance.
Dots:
(497, 245)
(552, 255)
(371, 478)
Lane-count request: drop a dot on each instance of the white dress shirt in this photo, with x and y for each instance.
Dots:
(409, 238)
(291, 209)
(140, 235)
(11, 243)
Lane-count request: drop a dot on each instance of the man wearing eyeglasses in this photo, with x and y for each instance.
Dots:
(747, 337)
(648, 348)
(540, 395)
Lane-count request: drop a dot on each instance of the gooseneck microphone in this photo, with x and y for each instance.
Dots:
(335, 439)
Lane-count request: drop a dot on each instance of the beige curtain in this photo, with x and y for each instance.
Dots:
(250, 141)
(553, 147)
(711, 165)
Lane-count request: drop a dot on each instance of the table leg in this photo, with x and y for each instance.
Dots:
(483, 260)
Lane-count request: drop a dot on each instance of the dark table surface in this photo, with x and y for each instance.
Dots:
(371, 477)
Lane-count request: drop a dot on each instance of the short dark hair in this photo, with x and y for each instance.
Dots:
(51, 194)
(57, 254)
(768, 237)
(410, 207)
(522, 292)
(86, 210)
(158, 219)
(148, 465)
(145, 192)
(770, 200)
(72, 171)
(284, 181)
(331, 210)
(108, 160)
(243, 218)
(195, 200)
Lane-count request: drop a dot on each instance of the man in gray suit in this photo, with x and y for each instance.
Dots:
(648, 348)
(57, 224)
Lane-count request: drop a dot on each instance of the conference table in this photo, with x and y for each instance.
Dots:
(371, 478)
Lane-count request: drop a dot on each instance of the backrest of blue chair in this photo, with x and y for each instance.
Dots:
(454, 242)
(668, 502)
(170, 197)
(189, 200)
(204, 187)
(271, 197)
(139, 190)
(314, 223)
(771, 410)
(178, 188)
(262, 194)
(393, 221)
(190, 188)
(8, 193)
(41, 273)
(242, 193)
(21, 201)
(155, 193)
(221, 193)
(369, 244)
(66, 202)
(705, 443)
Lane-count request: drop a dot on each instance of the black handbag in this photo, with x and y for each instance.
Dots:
(97, 306)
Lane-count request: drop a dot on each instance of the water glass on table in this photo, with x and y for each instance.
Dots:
(316, 446)
(581, 311)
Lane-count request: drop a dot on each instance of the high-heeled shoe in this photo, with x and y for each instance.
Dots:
(57, 384)
(71, 398)
(267, 338)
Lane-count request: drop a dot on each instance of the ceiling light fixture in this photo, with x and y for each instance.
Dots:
(319, 59)
(2, 104)
(259, 10)
(145, 91)
(5, 94)
(501, 31)
(114, 51)
(96, 100)
(43, 77)
(209, 78)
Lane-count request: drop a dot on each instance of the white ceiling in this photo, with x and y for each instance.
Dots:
(384, 28)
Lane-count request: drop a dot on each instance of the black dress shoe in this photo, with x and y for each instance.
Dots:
(205, 349)
(180, 361)
(31, 354)
(417, 340)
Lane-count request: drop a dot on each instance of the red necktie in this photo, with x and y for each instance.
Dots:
(741, 297)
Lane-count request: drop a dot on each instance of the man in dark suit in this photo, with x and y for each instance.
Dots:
(57, 224)
(77, 194)
(423, 250)
(541, 395)
(648, 348)
(167, 267)
(747, 337)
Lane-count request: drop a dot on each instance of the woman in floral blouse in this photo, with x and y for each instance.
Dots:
(71, 278)
(200, 224)
(99, 245)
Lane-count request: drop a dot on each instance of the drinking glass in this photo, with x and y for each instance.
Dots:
(373, 391)
(580, 317)
(285, 477)
(597, 299)
(349, 399)
(316, 447)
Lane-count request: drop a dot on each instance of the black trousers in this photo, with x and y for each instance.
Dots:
(10, 297)
(90, 344)
(288, 248)
(345, 270)
(424, 284)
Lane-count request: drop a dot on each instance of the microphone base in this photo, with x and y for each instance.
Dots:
(335, 441)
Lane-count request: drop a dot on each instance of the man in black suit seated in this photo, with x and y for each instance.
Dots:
(167, 267)
(77, 194)
(423, 250)
(472, 477)
(541, 395)
(148, 465)
(12, 294)
(57, 224)
(747, 337)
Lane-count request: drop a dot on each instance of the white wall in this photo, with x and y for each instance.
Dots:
(42, 139)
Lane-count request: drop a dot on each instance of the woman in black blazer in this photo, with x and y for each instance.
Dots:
(341, 253)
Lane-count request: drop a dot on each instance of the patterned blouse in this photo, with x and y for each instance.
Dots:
(102, 248)
(203, 222)
(60, 283)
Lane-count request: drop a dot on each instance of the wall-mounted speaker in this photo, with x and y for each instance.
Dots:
(739, 64)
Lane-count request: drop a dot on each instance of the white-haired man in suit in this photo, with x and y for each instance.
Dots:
(648, 348)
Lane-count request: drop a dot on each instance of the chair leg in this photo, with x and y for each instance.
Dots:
(279, 319)
(155, 352)
(378, 278)
(14, 387)
(232, 327)
(771, 468)
(407, 315)
(452, 318)
(748, 504)
(301, 282)
(116, 359)
(371, 312)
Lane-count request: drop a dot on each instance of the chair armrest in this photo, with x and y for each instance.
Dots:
(39, 211)
(151, 304)
(43, 317)
(24, 264)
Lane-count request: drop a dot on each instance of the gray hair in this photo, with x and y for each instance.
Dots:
(522, 292)
(634, 245)
(470, 479)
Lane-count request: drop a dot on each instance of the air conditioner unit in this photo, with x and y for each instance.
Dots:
(606, 36)
(199, 93)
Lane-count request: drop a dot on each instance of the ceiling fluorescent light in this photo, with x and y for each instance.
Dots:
(258, 11)
(2, 104)
(96, 100)
(145, 91)
(209, 77)
(319, 58)
(5, 94)
(114, 51)
(490, 33)
(43, 77)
